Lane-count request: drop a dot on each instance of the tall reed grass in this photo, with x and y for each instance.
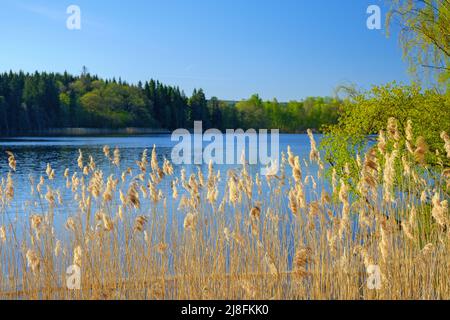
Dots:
(282, 236)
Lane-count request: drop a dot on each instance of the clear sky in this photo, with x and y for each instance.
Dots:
(288, 49)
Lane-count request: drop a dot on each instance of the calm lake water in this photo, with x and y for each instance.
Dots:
(34, 153)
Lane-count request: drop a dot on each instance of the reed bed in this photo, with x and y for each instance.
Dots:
(293, 234)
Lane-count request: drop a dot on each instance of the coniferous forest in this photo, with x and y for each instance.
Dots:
(40, 101)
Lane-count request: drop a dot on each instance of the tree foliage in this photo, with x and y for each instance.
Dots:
(39, 101)
(424, 34)
(294, 116)
(367, 113)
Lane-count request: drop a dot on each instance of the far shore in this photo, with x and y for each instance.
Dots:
(86, 132)
(80, 132)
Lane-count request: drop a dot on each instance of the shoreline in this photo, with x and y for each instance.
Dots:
(85, 132)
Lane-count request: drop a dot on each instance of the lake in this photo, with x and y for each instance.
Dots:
(34, 153)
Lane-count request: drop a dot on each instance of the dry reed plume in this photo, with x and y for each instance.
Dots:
(149, 232)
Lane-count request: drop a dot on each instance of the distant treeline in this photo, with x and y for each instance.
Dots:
(40, 101)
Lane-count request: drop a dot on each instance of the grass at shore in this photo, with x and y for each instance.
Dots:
(282, 236)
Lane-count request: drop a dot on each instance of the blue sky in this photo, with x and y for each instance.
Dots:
(288, 49)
